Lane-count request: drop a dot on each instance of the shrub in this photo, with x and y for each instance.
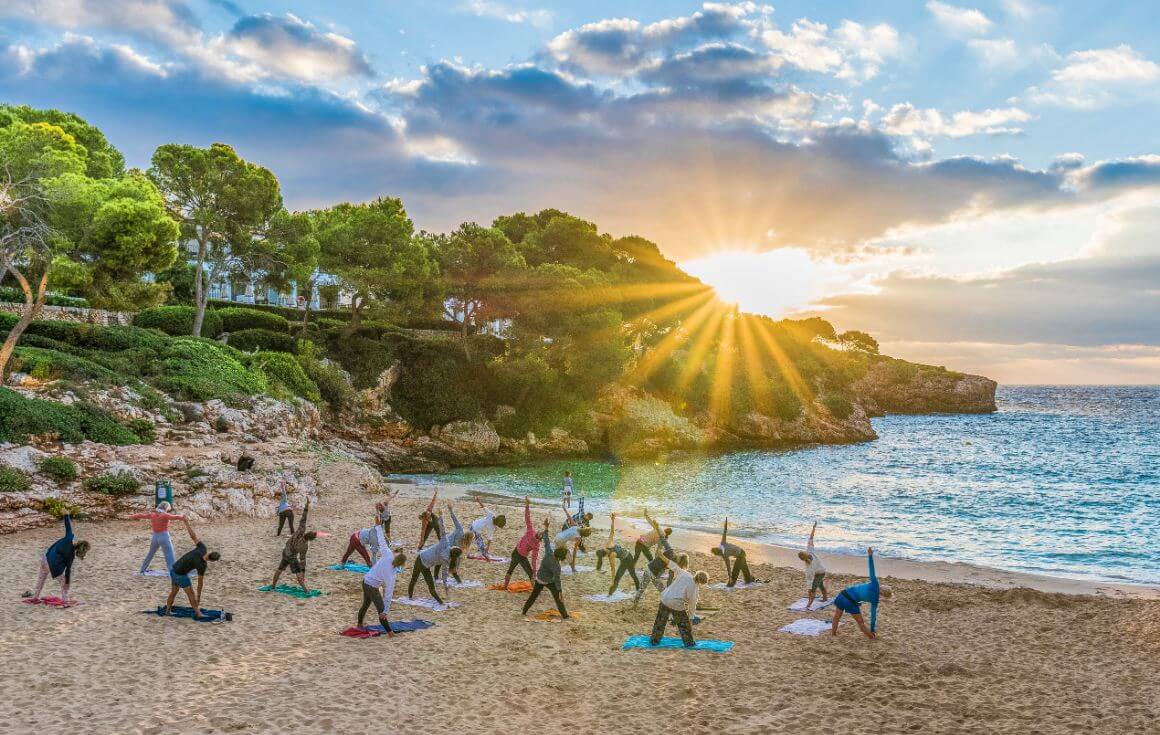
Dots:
(15, 295)
(22, 417)
(52, 365)
(282, 370)
(249, 340)
(144, 430)
(115, 484)
(333, 385)
(13, 480)
(237, 318)
(838, 406)
(200, 370)
(178, 321)
(57, 508)
(62, 469)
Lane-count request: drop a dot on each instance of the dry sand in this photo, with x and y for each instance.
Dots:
(952, 658)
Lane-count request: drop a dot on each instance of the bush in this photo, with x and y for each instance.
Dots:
(15, 295)
(144, 430)
(201, 370)
(237, 318)
(333, 385)
(249, 340)
(178, 321)
(57, 508)
(62, 469)
(115, 484)
(52, 365)
(282, 370)
(22, 417)
(838, 406)
(13, 480)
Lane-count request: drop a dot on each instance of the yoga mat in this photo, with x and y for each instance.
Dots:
(291, 590)
(806, 626)
(618, 596)
(800, 605)
(580, 569)
(398, 626)
(493, 560)
(151, 573)
(466, 584)
(350, 567)
(552, 616)
(426, 602)
(207, 616)
(738, 586)
(51, 602)
(642, 641)
(513, 587)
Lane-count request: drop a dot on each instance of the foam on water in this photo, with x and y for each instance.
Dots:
(1062, 481)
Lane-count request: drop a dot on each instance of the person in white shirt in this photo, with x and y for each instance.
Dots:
(484, 529)
(382, 574)
(815, 571)
(566, 492)
(572, 536)
(678, 601)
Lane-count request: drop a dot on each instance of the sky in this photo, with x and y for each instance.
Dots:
(975, 184)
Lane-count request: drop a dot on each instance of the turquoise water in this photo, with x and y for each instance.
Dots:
(1062, 481)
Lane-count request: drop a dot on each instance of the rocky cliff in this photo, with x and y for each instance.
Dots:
(896, 386)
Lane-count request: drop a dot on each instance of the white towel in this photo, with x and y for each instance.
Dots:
(465, 584)
(580, 568)
(618, 596)
(806, 626)
(426, 602)
(152, 573)
(738, 586)
(800, 605)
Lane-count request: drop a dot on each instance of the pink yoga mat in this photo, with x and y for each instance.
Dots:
(51, 602)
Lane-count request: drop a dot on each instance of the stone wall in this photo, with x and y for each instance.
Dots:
(75, 314)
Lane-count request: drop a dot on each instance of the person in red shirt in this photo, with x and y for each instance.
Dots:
(159, 521)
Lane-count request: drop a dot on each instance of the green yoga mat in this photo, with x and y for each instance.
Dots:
(287, 589)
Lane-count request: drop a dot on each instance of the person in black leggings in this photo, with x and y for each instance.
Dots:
(549, 574)
(427, 521)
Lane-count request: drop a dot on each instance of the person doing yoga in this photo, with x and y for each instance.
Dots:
(197, 559)
(652, 538)
(526, 550)
(58, 561)
(653, 571)
(294, 553)
(549, 574)
(285, 511)
(850, 600)
(438, 556)
(382, 574)
(427, 522)
(620, 560)
(365, 541)
(572, 536)
(579, 518)
(679, 602)
(728, 551)
(159, 521)
(383, 508)
(815, 572)
(484, 528)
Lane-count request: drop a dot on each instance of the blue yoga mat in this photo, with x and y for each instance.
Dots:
(349, 567)
(207, 616)
(642, 641)
(405, 626)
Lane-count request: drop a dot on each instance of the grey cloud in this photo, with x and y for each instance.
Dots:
(289, 46)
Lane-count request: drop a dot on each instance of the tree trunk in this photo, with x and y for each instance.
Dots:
(32, 304)
(356, 305)
(200, 288)
(464, 335)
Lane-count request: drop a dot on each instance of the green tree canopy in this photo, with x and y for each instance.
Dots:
(101, 159)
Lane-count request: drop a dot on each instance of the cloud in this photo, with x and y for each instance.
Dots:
(1113, 176)
(1097, 78)
(994, 52)
(852, 51)
(167, 20)
(908, 120)
(499, 11)
(963, 21)
(291, 47)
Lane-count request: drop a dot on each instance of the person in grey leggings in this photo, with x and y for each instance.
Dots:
(159, 521)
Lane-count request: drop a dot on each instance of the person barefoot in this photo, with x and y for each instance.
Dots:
(285, 510)
(159, 521)
(572, 537)
(194, 559)
(620, 561)
(549, 575)
(679, 602)
(526, 550)
(58, 561)
(294, 553)
(850, 601)
(438, 556)
(815, 571)
(427, 522)
(382, 574)
(728, 551)
(484, 529)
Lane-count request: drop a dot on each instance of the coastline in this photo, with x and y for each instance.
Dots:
(942, 572)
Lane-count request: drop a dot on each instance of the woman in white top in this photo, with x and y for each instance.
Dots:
(484, 529)
(382, 574)
(678, 601)
(815, 571)
(574, 536)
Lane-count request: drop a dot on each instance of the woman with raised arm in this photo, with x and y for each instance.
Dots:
(620, 560)
(427, 522)
(526, 550)
(815, 571)
(484, 529)
(285, 511)
(58, 561)
(679, 602)
(294, 552)
(194, 559)
(572, 537)
(727, 552)
(159, 521)
(382, 574)
(549, 574)
(850, 600)
(438, 556)
(384, 513)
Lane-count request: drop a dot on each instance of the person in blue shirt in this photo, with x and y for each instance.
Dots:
(850, 600)
(58, 561)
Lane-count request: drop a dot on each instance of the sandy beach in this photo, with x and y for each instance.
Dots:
(993, 656)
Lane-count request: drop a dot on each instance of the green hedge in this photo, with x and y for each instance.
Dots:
(237, 318)
(22, 417)
(58, 468)
(249, 340)
(178, 321)
(332, 384)
(115, 484)
(284, 370)
(201, 370)
(15, 295)
(13, 480)
(52, 365)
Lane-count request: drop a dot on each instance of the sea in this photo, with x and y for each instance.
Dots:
(1061, 481)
